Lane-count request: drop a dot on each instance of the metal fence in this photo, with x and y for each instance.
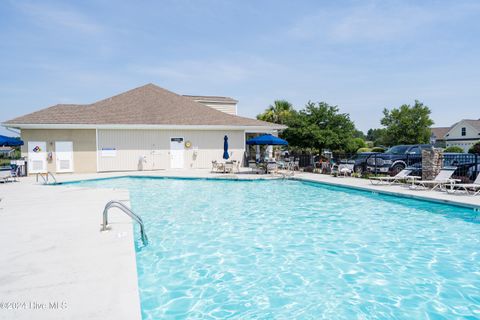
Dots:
(468, 165)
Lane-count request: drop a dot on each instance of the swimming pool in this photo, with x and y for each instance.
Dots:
(298, 250)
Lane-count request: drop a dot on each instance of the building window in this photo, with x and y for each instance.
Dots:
(464, 131)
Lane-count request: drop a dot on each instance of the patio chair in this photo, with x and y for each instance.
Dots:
(6, 176)
(252, 164)
(400, 177)
(295, 164)
(218, 166)
(272, 167)
(345, 169)
(236, 165)
(443, 178)
(474, 187)
(214, 166)
(229, 167)
(326, 167)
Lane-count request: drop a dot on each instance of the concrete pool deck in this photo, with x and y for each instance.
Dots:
(55, 264)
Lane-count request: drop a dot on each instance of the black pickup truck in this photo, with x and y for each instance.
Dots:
(396, 158)
(359, 161)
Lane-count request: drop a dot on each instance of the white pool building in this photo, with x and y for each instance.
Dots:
(146, 128)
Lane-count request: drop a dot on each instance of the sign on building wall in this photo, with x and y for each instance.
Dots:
(108, 152)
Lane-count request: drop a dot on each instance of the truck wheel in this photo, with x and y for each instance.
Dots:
(397, 168)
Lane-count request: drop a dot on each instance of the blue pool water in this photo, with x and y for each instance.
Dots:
(298, 250)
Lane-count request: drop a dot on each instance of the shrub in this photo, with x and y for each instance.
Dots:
(364, 150)
(454, 149)
(475, 148)
(378, 149)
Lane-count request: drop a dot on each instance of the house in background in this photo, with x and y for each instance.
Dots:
(438, 135)
(147, 128)
(6, 152)
(463, 134)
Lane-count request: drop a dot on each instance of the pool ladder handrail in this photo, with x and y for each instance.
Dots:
(45, 179)
(128, 212)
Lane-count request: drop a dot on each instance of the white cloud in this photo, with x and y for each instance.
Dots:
(210, 70)
(377, 21)
(59, 17)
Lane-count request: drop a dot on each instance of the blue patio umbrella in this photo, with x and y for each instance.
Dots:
(267, 139)
(10, 142)
(225, 148)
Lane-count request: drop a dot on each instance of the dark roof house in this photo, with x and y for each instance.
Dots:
(145, 105)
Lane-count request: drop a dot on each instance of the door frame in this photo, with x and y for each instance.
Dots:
(170, 151)
(57, 167)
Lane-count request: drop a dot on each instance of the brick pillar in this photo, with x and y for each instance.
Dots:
(432, 161)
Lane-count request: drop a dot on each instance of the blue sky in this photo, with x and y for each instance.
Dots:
(360, 55)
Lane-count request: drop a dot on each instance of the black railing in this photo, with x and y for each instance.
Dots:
(468, 165)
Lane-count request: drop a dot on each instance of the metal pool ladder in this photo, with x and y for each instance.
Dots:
(128, 212)
(45, 178)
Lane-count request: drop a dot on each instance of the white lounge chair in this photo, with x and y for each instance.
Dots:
(443, 178)
(272, 167)
(398, 178)
(218, 166)
(252, 164)
(474, 187)
(345, 169)
(214, 166)
(6, 176)
(228, 167)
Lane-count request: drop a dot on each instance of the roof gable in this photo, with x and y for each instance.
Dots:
(145, 105)
(474, 124)
(440, 132)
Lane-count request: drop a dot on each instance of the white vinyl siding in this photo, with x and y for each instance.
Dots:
(230, 108)
(462, 135)
(138, 149)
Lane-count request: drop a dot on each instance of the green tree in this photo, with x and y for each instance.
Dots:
(355, 144)
(359, 134)
(453, 149)
(280, 112)
(407, 124)
(377, 136)
(475, 148)
(320, 126)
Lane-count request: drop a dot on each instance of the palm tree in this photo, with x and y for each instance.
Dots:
(279, 112)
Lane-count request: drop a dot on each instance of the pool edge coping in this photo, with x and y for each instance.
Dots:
(393, 193)
(366, 188)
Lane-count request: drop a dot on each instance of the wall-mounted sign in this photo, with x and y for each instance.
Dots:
(108, 152)
(37, 149)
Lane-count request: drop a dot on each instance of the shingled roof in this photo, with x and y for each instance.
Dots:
(440, 132)
(145, 105)
(473, 123)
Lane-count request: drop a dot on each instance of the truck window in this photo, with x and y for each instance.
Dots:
(414, 150)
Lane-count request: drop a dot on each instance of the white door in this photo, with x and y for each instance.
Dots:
(176, 153)
(64, 156)
(37, 156)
